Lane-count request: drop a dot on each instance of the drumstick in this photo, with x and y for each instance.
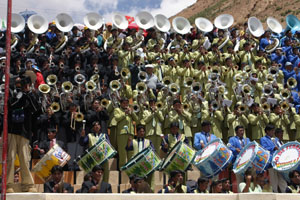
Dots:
(162, 137)
(83, 124)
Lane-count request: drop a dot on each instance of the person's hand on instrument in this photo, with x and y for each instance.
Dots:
(166, 146)
(82, 133)
(93, 189)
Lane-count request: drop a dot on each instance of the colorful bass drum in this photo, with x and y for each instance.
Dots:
(143, 163)
(55, 156)
(213, 158)
(253, 155)
(179, 158)
(287, 159)
(96, 155)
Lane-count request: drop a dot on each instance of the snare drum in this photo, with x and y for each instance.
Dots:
(179, 158)
(287, 159)
(213, 158)
(55, 156)
(253, 155)
(143, 163)
(96, 155)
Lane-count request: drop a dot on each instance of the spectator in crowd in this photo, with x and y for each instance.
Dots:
(57, 184)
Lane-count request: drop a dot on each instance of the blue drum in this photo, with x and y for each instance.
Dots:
(253, 155)
(287, 159)
(213, 158)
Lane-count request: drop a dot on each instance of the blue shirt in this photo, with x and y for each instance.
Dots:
(263, 43)
(237, 143)
(267, 143)
(205, 137)
(278, 59)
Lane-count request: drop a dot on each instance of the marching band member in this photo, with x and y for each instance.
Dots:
(204, 137)
(91, 139)
(216, 118)
(57, 184)
(257, 122)
(125, 56)
(96, 185)
(151, 79)
(176, 184)
(280, 118)
(124, 117)
(236, 118)
(169, 141)
(294, 186)
(153, 118)
(183, 117)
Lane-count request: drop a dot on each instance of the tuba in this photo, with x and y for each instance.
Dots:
(144, 20)
(255, 27)
(17, 25)
(292, 23)
(67, 88)
(174, 89)
(274, 25)
(268, 90)
(64, 23)
(142, 76)
(285, 94)
(52, 80)
(141, 88)
(181, 25)
(119, 21)
(38, 25)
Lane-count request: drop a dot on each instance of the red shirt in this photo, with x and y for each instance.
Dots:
(39, 79)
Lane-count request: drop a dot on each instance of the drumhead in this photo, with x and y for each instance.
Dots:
(245, 158)
(171, 155)
(209, 150)
(287, 157)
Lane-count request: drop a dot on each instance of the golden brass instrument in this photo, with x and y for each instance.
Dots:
(188, 82)
(55, 106)
(284, 105)
(44, 89)
(247, 69)
(266, 107)
(268, 90)
(141, 87)
(104, 103)
(125, 74)
(242, 108)
(142, 76)
(186, 106)
(246, 89)
(136, 108)
(90, 86)
(270, 78)
(196, 87)
(174, 89)
(76, 117)
(67, 88)
(285, 94)
(274, 71)
(291, 83)
(114, 86)
(159, 105)
(167, 81)
(238, 79)
(89, 97)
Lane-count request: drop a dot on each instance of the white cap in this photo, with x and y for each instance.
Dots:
(149, 66)
(3, 58)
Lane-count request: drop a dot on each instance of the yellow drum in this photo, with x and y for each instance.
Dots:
(55, 156)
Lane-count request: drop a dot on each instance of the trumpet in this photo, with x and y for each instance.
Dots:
(291, 83)
(142, 76)
(77, 68)
(246, 89)
(125, 73)
(270, 78)
(238, 78)
(274, 71)
(215, 105)
(247, 69)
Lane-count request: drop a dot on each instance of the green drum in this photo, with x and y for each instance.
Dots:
(179, 158)
(143, 163)
(96, 155)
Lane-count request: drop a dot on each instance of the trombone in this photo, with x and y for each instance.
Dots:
(76, 117)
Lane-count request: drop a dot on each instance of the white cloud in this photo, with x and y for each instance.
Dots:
(78, 8)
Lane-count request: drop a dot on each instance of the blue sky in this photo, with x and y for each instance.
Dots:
(78, 8)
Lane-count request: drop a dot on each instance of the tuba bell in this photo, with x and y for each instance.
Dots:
(188, 82)
(114, 85)
(44, 88)
(142, 76)
(93, 21)
(274, 25)
(167, 81)
(255, 27)
(55, 106)
(67, 87)
(291, 83)
(37, 24)
(119, 21)
(203, 24)
(174, 89)
(196, 87)
(181, 25)
(64, 22)
(141, 87)
(268, 90)
(125, 73)
(162, 23)
(223, 21)
(292, 23)
(285, 94)
(246, 89)
(144, 20)
(90, 86)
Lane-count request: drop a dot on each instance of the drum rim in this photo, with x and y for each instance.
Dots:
(276, 152)
(138, 155)
(243, 169)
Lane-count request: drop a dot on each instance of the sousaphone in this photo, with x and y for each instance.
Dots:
(223, 22)
(38, 25)
(205, 26)
(255, 27)
(274, 25)
(64, 23)
(17, 25)
(181, 25)
(144, 20)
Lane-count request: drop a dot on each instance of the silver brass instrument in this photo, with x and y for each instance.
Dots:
(88, 98)
(174, 89)
(268, 90)
(44, 89)
(285, 94)
(142, 76)
(114, 95)
(67, 88)
(52, 80)
(104, 103)
(55, 106)
(125, 74)
(284, 105)
(79, 79)
(188, 82)
(136, 108)
(96, 79)
(141, 88)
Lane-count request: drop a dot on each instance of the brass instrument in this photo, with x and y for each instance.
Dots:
(188, 82)
(268, 90)
(159, 105)
(125, 74)
(77, 68)
(136, 108)
(76, 117)
(238, 79)
(88, 97)
(174, 89)
(141, 88)
(114, 95)
(247, 69)
(213, 77)
(79, 79)
(115, 85)
(104, 103)
(284, 105)
(246, 89)
(270, 78)
(90, 86)
(285, 94)
(55, 106)
(266, 107)
(67, 88)
(44, 89)
(215, 105)
(167, 81)
(242, 108)
(186, 106)
(142, 76)
(274, 71)
(96, 79)
(291, 83)
(215, 69)
(196, 87)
